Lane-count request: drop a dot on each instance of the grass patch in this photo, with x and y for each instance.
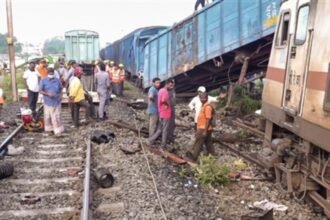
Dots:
(128, 86)
(7, 82)
(209, 172)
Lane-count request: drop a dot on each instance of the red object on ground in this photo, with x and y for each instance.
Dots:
(27, 119)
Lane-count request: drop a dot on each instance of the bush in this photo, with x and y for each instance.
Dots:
(209, 172)
(7, 81)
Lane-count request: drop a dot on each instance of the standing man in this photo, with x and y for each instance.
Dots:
(152, 109)
(196, 104)
(62, 72)
(31, 81)
(171, 136)
(103, 87)
(51, 89)
(164, 109)
(116, 83)
(70, 74)
(204, 130)
(42, 68)
(199, 2)
(77, 97)
(122, 78)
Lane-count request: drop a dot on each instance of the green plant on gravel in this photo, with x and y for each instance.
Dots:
(7, 81)
(185, 172)
(209, 172)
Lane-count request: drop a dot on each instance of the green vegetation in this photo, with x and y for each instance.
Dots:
(242, 103)
(54, 45)
(209, 172)
(4, 45)
(128, 86)
(6, 84)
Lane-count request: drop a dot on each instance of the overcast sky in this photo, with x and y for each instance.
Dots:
(37, 20)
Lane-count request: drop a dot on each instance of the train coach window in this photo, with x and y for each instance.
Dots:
(283, 32)
(302, 24)
(326, 105)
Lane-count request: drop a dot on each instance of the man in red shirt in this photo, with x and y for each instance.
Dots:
(164, 109)
(204, 130)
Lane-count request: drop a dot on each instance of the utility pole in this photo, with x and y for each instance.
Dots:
(10, 42)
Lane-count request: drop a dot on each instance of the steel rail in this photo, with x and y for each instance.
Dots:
(85, 207)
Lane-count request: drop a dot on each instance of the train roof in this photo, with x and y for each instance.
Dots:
(81, 32)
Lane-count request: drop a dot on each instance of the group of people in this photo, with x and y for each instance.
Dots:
(161, 111)
(51, 82)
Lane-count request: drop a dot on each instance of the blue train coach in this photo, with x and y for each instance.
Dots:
(207, 48)
(129, 50)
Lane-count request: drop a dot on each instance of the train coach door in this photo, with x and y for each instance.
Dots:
(297, 65)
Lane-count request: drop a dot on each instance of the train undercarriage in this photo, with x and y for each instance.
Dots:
(300, 168)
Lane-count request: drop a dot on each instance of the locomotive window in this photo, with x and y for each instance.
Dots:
(283, 32)
(302, 24)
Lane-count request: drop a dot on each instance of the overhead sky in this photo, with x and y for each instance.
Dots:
(37, 20)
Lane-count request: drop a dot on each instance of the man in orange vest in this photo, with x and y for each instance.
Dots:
(204, 130)
(42, 68)
(122, 78)
(116, 81)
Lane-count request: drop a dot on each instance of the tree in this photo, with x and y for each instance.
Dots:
(4, 45)
(54, 45)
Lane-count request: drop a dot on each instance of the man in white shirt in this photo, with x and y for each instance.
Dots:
(31, 80)
(196, 104)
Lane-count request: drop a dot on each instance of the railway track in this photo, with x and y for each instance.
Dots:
(48, 179)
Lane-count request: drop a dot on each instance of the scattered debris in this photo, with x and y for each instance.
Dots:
(144, 131)
(259, 215)
(102, 137)
(12, 151)
(130, 149)
(267, 205)
(239, 164)
(104, 178)
(72, 171)
(30, 200)
(6, 170)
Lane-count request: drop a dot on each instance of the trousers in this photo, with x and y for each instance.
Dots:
(161, 130)
(76, 109)
(33, 99)
(171, 128)
(200, 140)
(103, 102)
(153, 122)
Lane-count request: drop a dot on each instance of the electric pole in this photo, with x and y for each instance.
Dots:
(10, 42)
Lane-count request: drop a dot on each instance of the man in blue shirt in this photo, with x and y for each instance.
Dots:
(152, 109)
(51, 89)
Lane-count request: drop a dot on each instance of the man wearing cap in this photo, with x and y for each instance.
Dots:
(116, 80)
(42, 68)
(51, 89)
(103, 87)
(31, 80)
(77, 97)
(196, 104)
(204, 130)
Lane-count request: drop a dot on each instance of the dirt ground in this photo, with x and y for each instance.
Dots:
(183, 197)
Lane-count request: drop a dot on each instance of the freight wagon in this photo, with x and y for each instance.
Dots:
(209, 47)
(129, 50)
(83, 46)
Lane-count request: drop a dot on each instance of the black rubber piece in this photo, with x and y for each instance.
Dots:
(6, 170)
(104, 178)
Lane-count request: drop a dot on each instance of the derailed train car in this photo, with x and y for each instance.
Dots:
(296, 101)
(129, 50)
(206, 47)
